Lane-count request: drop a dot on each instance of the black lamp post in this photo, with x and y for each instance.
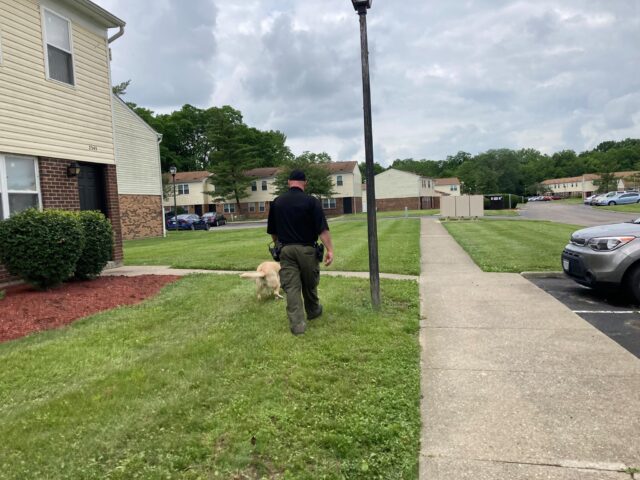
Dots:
(173, 171)
(361, 6)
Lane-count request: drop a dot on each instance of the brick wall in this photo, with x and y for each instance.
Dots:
(60, 191)
(141, 216)
(256, 215)
(113, 210)
(397, 204)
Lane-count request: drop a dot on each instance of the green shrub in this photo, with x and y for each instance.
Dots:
(98, 244)
(41, 248)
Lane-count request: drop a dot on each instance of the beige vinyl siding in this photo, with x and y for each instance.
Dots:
(394, 183)
(41, 117)
(137, 155)
(196, 194)
(260, 195)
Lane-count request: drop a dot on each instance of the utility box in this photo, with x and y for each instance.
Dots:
(465, 206)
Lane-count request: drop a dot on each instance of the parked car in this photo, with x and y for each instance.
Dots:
(589, 199)
(607, 255)
(214, 219)
(617, 198)
(187, 221)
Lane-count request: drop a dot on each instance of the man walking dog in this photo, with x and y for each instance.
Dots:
(296, 220)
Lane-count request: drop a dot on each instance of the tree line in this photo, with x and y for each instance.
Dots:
(218, 140)
(522, 171)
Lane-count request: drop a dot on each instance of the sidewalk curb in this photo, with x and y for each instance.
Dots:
(543, 274)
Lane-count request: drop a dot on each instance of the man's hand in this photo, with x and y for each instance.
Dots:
(328, 258)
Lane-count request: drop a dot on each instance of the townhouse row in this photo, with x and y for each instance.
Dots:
(65, 140)
(395, 190)
(586, 185)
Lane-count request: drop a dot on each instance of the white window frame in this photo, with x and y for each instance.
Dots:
(252, 207)
(254, 186)
(265, 185)
(4, 188)
(45, 45)
(261, 206)
(339, 181)
(229, 208)
(183, 185)
(329, 203)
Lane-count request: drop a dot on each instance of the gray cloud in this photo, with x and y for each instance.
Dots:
(446, 76)
(167, 51)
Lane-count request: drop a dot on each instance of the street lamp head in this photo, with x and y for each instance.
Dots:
(361, 6)
(173, 170)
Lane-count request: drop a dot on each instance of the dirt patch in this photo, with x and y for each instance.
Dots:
(25, 310)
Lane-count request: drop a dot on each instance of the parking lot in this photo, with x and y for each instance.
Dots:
(611, 312)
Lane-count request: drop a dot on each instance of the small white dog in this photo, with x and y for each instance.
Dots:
(267, 277)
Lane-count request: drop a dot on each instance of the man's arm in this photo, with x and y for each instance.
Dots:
(325, 237)
(274, 238)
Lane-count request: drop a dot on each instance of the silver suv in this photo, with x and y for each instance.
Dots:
(605, 255)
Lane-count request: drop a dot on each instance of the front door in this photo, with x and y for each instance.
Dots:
(348, 205)
(91, 187)
(199, 210)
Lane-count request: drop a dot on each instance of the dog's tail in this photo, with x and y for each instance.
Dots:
(253, 275)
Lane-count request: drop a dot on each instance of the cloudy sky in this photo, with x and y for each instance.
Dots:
(446, 75)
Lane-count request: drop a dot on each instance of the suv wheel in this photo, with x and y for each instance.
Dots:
(611, 203)
(633, 282)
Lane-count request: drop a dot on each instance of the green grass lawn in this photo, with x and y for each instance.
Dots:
(631, 208)
(398, 248)
(204, 381)
(502, 213)
(399, 213)
(513, 246)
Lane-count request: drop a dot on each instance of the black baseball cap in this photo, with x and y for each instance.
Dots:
(297, 175)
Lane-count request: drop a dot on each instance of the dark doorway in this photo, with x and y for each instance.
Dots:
(198, 209)
(91, 187)
(212, 208)
(348, 205)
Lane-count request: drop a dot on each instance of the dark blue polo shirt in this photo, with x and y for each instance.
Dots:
(296, 218)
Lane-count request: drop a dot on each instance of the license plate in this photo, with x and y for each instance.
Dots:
(565, 264)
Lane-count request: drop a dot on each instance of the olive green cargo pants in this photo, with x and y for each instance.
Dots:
(300, 274)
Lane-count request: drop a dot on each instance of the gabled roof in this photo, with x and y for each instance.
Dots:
(262, 172)
(342, 167)
(440, 182)
(188, 177)
(96, 12)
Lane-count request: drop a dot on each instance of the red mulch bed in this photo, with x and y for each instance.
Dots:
(25, 310)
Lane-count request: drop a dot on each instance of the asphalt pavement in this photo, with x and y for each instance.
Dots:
(576, 214)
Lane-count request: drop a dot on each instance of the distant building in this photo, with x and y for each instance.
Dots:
(398, 189)
(586, 185)
(448, 186)
(191, 196)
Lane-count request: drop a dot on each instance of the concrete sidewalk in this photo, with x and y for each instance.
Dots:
(134, 271)
(515, 385)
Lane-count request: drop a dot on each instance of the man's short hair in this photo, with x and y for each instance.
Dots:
(297, 175)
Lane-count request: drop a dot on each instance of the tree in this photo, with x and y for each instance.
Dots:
(315, 167)
(121, 88)
(377, 168)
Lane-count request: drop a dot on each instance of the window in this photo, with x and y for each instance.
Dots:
(58, 45)
(264, 185)
(328, 203)
(252, 207)
(229, 208)
(339, 180)
(254, 186)
(183, 189)
(424, 183)
(19, 184)
(261, 206)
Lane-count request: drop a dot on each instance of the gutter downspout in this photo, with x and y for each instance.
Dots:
(116, 35)
(164, 223)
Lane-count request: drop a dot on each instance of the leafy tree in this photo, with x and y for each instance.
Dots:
(377, 168)
(121, 88)
(315, 168)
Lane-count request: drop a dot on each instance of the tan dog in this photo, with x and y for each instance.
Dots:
(267, 277)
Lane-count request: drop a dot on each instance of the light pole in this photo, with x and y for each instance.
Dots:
(173, 171)
(361, 6)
